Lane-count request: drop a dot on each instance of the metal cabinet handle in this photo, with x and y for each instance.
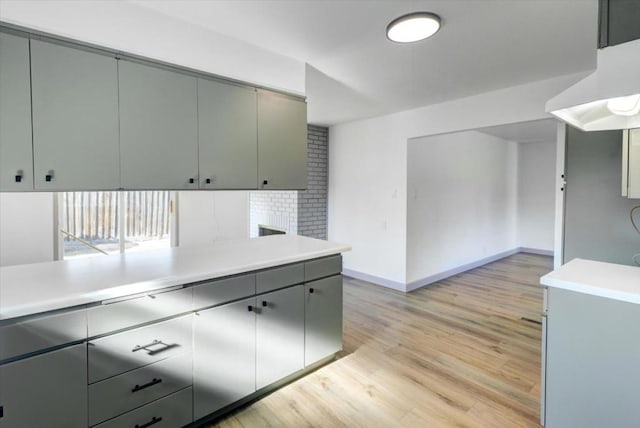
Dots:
(49, 176)
(265, 182)
(192, 180)
(264, 304)
(154, 381)
(250, 308)
(153, 421)
(207, 180)
(19, 176)
(311, 290)
(159, 343)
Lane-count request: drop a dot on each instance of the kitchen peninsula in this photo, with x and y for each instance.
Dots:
(167, 337)
(590, 349)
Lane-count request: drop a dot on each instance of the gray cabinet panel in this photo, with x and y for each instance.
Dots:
(118, 395)
(119, 353)
(227, 136)
(15, 114)
(323, 267)
(280, 277)
(279, 335)
(323, 318)
(75, 118)
(282, 142)
(158, 128)
(170, 412)
(32, 334)
(49, 390)
(592, 372)
(223, 290)
(224, 356)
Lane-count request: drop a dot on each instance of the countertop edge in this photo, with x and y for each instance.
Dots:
(153, 285)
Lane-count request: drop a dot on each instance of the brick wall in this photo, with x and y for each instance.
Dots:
(298, 212)
(312, 203)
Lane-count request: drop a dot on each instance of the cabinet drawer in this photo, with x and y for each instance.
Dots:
(222, 291)
(109, 356)
(170, 412)
(118, 395)
(127, 313)
(273, 279)
(33, 334)
(322, 268)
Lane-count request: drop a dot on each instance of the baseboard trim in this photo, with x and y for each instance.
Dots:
(374, 279)
(414, 285)
(537, 251)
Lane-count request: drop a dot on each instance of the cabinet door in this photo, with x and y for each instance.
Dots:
(224, 356)
(323, 318)
(49, 390)
(282, 142)
(227, 136)
(158, 128)
(75, 118)
(16, 171)
(279, 335)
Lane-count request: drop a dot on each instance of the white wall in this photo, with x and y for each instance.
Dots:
(205, 217)
(134, 29)
(461, 202)
(26, 228)
(368, 170)
(536, 195)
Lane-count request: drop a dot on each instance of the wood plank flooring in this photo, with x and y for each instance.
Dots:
(453, 354)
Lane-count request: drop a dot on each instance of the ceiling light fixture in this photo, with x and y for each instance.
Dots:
(413, 27)
(625, 106)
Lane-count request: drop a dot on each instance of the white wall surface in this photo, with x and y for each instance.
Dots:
(205, 217)
(461, 201)
(134, 29)
(368, 170)
(26, 228)
(536, 195)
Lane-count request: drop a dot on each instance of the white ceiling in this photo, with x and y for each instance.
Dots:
(354, 71)
(535, 131)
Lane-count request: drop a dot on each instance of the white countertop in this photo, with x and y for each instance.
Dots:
(610, 280)
(41, 287)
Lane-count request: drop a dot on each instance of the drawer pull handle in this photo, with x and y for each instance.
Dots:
(153, 421)
(154, 381)
(155, 347)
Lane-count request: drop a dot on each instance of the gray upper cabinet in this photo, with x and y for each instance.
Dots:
(158, 128)
(75, 118)
(16, 171)
(227, 136)
(282, 141)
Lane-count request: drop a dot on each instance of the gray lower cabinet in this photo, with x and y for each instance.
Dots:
(282, 142)
(158, 128)
(279, 335)
(592, 354)
(16, 171)
(75, 118)
(227, 136)
(173, 411)
(224, 356)
(48, 390)
(323, 318)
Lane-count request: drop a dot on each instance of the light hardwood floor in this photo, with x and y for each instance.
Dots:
(453, 354)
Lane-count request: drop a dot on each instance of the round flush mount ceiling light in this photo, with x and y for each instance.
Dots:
(413, 27)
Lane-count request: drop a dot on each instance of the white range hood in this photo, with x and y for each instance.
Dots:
(608, 98)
